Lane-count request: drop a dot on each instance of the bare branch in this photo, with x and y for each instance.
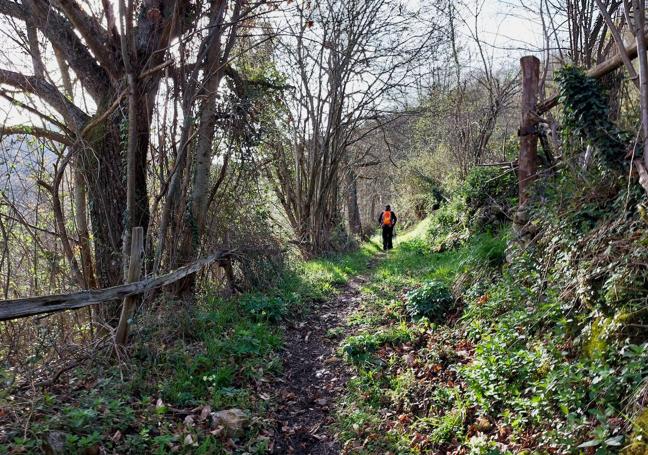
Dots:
(619, 42)
(73, 115)
(93, 34)
(59, 31)
(35, 131)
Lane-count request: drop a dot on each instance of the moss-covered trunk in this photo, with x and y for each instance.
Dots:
(103, 164)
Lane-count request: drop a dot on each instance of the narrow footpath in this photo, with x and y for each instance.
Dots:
(314, 376)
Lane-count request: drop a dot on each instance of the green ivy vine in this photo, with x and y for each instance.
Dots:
(585, 110)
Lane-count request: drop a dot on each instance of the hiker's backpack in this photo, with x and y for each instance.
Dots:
(387, 218)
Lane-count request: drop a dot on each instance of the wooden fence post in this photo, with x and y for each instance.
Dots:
(528, 132)
(134, 273)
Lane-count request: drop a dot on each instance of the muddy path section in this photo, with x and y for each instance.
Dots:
(314, 376)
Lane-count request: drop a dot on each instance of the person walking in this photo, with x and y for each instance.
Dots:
(387, 221)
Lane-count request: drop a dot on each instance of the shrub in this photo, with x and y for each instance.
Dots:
(450, 215)
(432, 300)
(488, 185)
(585, 115)
(448, 226)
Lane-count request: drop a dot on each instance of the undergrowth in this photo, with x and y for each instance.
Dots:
(386, 406)
(185, 360)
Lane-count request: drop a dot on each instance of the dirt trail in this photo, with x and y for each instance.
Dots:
(314, 376)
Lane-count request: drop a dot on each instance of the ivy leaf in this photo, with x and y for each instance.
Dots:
(615, 441)
(592, 443)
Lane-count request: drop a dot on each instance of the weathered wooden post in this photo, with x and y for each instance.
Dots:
(134, 274)
(527, 163)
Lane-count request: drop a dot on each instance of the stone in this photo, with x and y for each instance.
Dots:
(55, 443)
(232, 420)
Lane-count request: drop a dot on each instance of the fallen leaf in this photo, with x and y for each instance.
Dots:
(404, 418)
(482, 424)
(206, 410)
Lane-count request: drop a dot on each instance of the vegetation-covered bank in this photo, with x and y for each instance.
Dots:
(475, 338)
(189, 361)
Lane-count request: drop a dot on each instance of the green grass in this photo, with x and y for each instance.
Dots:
(325, 273)
(358, 348)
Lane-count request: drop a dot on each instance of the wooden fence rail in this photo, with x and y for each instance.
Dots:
(19, 308)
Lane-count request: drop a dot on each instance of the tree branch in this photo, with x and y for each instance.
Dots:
(36, 112)
(619, 42)
(60, 32)
(93, 34)
(73, 115)
(35, 131)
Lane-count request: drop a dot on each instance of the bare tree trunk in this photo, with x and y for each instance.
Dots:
(102, 162)
(640, 27)
(34, 50)
(81, 219)
(5, 257)
(172, 196)
(134, 273)
(213, 71)
(355, 222)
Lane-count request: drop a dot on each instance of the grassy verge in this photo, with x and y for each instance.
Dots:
(185, 361)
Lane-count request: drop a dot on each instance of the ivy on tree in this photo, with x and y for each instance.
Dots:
(585, 111)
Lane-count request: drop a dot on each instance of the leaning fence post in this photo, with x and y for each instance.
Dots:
(527, 163)
(134, 273)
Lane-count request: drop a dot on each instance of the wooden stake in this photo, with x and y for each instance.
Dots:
(527, 132)
(134, 273)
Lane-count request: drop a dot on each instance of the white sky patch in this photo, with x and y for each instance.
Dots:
(510, 28)
(506, 30)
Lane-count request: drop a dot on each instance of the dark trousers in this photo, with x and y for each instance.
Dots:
(387, 234)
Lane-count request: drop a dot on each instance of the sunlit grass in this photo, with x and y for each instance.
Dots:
(337, 269)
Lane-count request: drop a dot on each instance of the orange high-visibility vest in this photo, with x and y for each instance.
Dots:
(387, 218)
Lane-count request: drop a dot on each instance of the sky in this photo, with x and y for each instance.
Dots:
(506, 29)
